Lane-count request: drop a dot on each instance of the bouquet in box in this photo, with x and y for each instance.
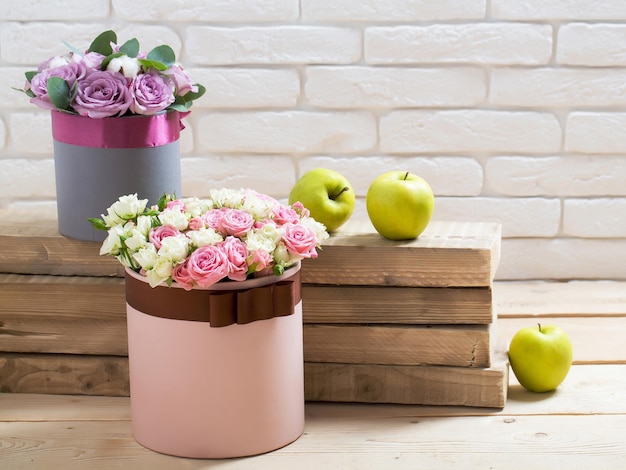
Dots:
(232, 235)
(112, 80)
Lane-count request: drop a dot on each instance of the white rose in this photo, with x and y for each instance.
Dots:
(160, 272)
(318, 228)
(127, 66)
(204, 237)
(126, 208)
(144, 224)
(283, 257)
(146, 256)
(135, 240)
(175, 218)
(112, 243)
(174, 248)
(258, 240)
(196, 207)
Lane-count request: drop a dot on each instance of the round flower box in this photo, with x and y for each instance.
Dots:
(96, 160)
(216, 372)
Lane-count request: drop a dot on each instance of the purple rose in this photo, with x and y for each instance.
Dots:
(103, 94)
(39, 83)
(182, 81)
(151, 93)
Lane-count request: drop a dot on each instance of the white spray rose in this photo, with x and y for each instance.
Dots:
(146, 256)
(174, 248)
(204, 237)
(175, 218)
(126, 208)
(160, 272)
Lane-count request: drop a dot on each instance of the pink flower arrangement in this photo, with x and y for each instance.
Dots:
(112, 80)
(232, 235)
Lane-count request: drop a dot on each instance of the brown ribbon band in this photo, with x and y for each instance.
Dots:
(218, 307)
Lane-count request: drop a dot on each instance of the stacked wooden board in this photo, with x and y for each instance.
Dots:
(385, 322)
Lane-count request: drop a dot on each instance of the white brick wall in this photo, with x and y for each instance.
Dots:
(514, 111)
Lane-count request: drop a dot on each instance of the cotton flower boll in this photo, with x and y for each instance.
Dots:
(127, 66)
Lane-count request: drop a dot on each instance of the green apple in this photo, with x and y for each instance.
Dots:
(327, 194)
(540, 357)
(400, 205)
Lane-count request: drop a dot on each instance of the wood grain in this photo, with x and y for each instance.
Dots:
(460, 346)
(447, 254)
(64, 374)
(369, 383)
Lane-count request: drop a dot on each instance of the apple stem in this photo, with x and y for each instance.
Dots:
(406, 175)
(539, 325)
(343, 190)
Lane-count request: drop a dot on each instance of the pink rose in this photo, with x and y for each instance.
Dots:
(237, 253)
(260, 260)
(176, 203)
(196, 223)
(300, 209)
(284, 215)
(300, 241)
(159, 233)
(181, 275)
(236, 222)
(207, 265)
(213, 218)
(182, 81)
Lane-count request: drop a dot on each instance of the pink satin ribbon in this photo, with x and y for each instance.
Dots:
(117, 132)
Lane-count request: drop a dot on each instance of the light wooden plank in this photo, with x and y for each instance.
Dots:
(586, 298)
(594, 340)
(62, 314)
(587, 389)
(403, 305)
(573, 442)
(27, 248)
(460, 386)
(64, 374)
(446, 254)
(462, 346)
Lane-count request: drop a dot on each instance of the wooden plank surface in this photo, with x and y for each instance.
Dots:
(460, 346)
(452, 386)
(64, 374)
(446, 254)
(581, 426)
(402, 305)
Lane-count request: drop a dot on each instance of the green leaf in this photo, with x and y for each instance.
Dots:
(59, 92)
(163, 54)
(102, 44)
(191, 96)
(30, 74)
(109, 58)
(98, 224)
(152, 64)
(130, 48)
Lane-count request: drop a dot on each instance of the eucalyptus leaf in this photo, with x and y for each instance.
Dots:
(164, 54)
(29, 75)
(72, 48)
(59, 92)
(160, 66)
(102, 44)
(130, 48)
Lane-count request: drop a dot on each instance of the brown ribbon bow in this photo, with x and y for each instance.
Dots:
(218, 307)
